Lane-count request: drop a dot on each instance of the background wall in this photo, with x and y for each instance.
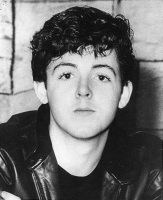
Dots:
(19, 19)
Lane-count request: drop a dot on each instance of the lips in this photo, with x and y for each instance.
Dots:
(84, 111)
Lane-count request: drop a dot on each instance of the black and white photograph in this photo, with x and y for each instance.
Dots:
(81, 99)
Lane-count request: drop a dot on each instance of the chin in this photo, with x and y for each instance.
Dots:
(85, 134)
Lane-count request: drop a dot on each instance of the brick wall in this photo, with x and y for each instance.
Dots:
(19, 19)
(146, 17)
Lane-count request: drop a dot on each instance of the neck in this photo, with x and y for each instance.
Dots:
(79, 157)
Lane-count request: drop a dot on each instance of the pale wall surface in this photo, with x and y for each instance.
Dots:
(16, 88)
(146, 17)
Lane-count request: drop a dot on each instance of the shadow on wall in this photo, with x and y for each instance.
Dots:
(144, 112)
(126, 117)
(149, 105)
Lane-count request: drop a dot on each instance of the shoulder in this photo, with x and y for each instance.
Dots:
(19, 126)
(151, 155)
(150, 148)
(19, 120)
(12, 134)
(127, 155)
(149, 151)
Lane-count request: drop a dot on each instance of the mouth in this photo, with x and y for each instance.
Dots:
(84, 111)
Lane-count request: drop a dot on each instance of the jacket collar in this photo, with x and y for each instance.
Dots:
(119, 158)
(41, 145)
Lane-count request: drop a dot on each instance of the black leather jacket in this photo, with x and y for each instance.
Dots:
(28, 166)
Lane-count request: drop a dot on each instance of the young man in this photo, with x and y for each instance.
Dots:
(69, 149)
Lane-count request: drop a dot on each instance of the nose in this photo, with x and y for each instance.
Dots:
(83, 89)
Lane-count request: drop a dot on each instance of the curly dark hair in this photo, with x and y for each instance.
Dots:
(77, 28)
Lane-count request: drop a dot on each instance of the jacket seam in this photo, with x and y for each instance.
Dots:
(37, 186)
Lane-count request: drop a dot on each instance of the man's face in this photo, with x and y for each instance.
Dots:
(84, 93)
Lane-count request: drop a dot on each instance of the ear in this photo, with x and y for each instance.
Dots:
(125, 95)
(41, 92)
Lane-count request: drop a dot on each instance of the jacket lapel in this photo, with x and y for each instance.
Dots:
(42, 161)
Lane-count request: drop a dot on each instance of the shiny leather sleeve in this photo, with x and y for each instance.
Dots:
(154, 187)
(5, 176)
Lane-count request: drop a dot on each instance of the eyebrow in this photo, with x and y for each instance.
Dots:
(105, 66)
(94, 66)
(64, 64)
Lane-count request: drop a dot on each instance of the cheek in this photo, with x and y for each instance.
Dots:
(108, 92)
(59, 96)
(107, 98)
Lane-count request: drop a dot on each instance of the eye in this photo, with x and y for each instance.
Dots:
(65, 76)
(103, 78)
